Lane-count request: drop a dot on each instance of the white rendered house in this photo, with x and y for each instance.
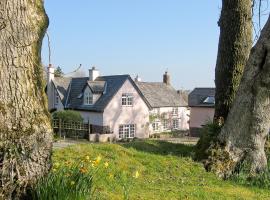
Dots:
(116, 104)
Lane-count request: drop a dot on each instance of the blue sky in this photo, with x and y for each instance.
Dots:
(143, 37)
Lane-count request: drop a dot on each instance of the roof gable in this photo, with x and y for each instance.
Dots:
(202, 97)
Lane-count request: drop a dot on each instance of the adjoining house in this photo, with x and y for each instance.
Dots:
(202, 108)
(115, 104)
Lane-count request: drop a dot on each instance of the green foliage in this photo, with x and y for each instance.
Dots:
(166, 171)
(65, 183)
(58, 72)
(208, 135)
(68, 116)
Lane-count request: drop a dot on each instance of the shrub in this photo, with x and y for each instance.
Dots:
(67, 116)
(208, 136)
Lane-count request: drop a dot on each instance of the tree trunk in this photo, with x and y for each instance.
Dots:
(25, 130)
(244, 134)
(235, 43)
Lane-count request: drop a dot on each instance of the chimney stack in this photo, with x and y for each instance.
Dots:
(93, 74)
(167, 78)
(50, 86)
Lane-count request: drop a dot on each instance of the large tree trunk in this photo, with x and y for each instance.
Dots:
(244, 134)
(25, 131)
(235, 43)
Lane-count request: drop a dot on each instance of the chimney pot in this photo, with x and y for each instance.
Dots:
(167, 78)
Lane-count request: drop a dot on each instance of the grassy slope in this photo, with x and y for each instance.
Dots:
(166, 172)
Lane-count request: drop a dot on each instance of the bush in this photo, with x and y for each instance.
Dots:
(208, 136)
(67, 116)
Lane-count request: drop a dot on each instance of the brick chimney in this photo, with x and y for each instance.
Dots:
(167, 78)
(93, 74)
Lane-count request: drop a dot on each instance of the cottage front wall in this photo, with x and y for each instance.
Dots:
(200, 116)
(167, 113)
(115, 114)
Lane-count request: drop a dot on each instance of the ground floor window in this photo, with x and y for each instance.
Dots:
(165, 124)
(155, 126)
(175, 123)
(127, 131)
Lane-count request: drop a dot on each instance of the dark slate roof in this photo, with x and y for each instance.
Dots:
(62, 84)
(197, 97)
(161, 95)
(109, 85)
(97, 86)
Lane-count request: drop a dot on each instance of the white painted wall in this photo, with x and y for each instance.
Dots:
(200, 116)
(115, 114)
(183, 116)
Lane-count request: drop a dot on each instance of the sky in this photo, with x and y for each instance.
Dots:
(136, 37)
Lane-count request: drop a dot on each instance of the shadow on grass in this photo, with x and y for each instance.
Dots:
(162, 148)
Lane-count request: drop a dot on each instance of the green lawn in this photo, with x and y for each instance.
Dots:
(166, 172)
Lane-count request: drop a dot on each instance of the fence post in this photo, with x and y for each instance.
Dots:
(60, 128)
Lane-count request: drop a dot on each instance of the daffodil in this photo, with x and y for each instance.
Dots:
(87, 158)
(72, 183)
(111, 176)
(106, 164)
(136, 175)
(56, 165)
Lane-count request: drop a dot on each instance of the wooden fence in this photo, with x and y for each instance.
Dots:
(71, 129)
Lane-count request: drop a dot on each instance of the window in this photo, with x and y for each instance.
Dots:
(175, 111)
(155, 126)
(88, 99)
(175, 123)
(127, 99)
(57, 98)
(209, 100)
(127, 131)
(165, 124)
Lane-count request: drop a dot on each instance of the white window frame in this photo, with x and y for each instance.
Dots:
(165, 124)
(176, 124)
(175, 111)
(89, 99)
(155, 126)
(127, 131)
(127, 99)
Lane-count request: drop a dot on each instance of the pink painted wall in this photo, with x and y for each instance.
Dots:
(200, 115)
(115, 114)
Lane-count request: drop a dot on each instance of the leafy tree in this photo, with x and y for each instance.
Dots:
(58, 72)
(25, 130)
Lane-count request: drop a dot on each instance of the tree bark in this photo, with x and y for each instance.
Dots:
(244, 134)
(234, 47)
(25, 130)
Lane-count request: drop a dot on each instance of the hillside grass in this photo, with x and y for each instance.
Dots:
(165, 172)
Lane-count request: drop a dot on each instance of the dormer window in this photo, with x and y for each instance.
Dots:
(209, 100)
(88, 99)
(127, 99)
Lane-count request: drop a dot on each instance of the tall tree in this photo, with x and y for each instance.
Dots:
(244, 134)
(25, 131)
(234, 47)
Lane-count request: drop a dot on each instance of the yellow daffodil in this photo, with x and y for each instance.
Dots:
(136, 175)
(56, 165)
(106, 164)
(87, 158)
(54, 170)
(111, 176)
(72, 183)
